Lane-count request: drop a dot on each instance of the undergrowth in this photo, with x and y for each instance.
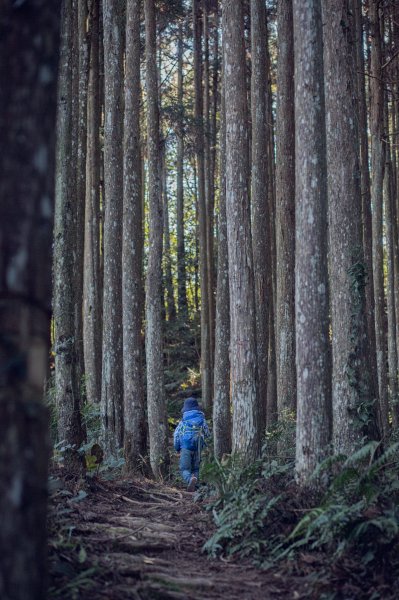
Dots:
(261, 513)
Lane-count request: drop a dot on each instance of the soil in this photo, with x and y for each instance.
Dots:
(143, 540)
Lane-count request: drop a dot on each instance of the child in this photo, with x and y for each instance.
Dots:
(189, 440)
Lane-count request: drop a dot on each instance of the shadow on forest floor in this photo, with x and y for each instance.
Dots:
(142, 540)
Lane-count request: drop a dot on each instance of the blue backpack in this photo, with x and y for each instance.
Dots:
(192, 432)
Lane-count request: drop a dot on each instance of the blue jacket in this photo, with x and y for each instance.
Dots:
(193, 418)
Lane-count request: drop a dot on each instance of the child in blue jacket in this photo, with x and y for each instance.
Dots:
(189, 440)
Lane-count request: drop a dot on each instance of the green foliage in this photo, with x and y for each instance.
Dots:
(360, 509)
(248, 507)
(260, 512)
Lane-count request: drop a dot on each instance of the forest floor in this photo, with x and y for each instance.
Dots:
(142, 540)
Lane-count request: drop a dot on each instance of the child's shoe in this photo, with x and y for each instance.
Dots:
(192, 484)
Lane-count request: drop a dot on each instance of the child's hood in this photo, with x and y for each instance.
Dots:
(195, 417)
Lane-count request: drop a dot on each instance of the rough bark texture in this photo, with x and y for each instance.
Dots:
(167, 255)
(81, 85)
(29, 44)
(206, 380)
(67, 371)
(209, 184)
(389, 199)
(350, 372)
(260, 200)
(92, 312)
(285, 212)
(112, 365)
(311, 284)
(181, 255)
(377, 173)
(221, 393)
(132, 249)
(365, 194)
(246, 418)
(157, 418)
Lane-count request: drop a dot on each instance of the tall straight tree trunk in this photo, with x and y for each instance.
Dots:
(311, 281)
(389, 201)
(112, 367)
(181, 254)
(92, 313)
(350, 367)
(391, 314)
(244, 392)
(67, 372)
(272, 365)
(395, 207)
(260, 201)
(29, 45)
(285, 212)
(206, 379)
(365, 192)
(81, 140)
(132, 249)
(156, 402)
(209, 183)
(221, 393)
(167, 255)
(377, 173)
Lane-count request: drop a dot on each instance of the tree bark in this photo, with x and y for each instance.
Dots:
(112, 366)
(244, 392)
(285, 213)
(156, 402)
(351, 388)
(82, 77)
(209, 184)
(365, 194)
(65, 298)
(132, 250)
(259, 195)
(181, 254)
(377, 172)
(92, 313)
(311, 281)
(221, 394)
(206, 380)
(29, 45)
(167, 255)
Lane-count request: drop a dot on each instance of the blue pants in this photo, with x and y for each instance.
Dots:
(189, 463)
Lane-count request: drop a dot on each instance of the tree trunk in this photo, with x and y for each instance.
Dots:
(167, 255)
(392, 349)
(377, 172)
(132, 249)
(350, 367)
(92, 313)
(311, 282)
(209, 185)
(29, 46)
(365, 194)
(244, 392)
(260, 201)
(112, 367)
(181, 255)
(285, 213)
(81, 141)
(67, 372)
(206, 380)
(221, 394)
(156, 402)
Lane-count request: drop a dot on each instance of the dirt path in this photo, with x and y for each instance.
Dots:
(143, 541)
